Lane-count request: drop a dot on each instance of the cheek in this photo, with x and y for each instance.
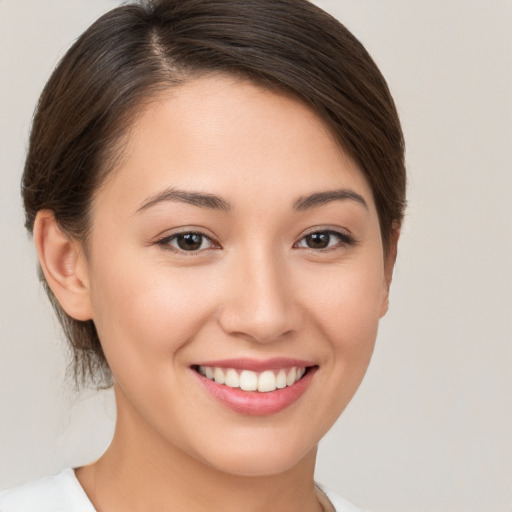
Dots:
(350, 306)
(343, 311)
(348, 315)
(146, 315)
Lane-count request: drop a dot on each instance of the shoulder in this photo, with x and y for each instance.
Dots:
(339, 503)
(58, 493)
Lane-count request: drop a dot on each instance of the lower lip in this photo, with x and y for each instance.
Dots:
(254, 403)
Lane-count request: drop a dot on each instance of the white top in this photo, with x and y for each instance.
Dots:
(63, 493)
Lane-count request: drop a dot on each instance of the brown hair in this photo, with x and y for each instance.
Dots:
(135, 50)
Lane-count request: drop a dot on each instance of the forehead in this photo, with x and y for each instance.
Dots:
(223, 135)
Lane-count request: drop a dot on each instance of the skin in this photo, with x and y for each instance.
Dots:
(256, 291)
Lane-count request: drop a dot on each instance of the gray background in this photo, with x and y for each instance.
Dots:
(430, 429)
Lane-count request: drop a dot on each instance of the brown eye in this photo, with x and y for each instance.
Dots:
(325, 240)
(318, 240)
(187, 242)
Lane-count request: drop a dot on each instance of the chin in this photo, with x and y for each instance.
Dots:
(254, 460)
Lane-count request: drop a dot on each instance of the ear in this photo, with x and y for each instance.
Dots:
(389, 265)
(64, 265)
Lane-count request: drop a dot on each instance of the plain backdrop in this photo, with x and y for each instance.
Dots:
(431, 427)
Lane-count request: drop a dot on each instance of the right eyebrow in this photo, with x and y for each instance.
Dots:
(201, 199)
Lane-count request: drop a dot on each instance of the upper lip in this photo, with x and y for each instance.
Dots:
(257, 365)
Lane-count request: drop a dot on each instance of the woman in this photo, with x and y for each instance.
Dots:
(215, 190)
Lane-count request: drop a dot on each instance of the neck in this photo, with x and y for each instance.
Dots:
(142, 471)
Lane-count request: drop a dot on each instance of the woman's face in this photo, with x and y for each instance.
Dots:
(235, 239)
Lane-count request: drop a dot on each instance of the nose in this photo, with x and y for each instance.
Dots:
(260, 303)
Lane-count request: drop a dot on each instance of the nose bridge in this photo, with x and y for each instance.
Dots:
(261, 302)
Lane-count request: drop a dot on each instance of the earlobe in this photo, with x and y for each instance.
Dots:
(389, 265)
(64, 266)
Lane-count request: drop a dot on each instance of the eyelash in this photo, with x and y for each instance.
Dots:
(344, 240)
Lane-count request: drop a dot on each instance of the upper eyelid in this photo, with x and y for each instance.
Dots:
(172, 236)
(339, 231)
(342, 233)
(168, 234)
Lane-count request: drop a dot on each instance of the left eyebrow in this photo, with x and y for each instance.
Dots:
(183, 196)
(321, 198)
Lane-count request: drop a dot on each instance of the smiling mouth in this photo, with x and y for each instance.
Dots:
(248, 380)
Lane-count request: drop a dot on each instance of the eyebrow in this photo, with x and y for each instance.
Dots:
(214, 202)
(203, 200)
(321, 198)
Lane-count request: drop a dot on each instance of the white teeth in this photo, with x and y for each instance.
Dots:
(232, 379)
(290, 378)
(247, 380)
(218, 375)
(281, 379)
(266, 382)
